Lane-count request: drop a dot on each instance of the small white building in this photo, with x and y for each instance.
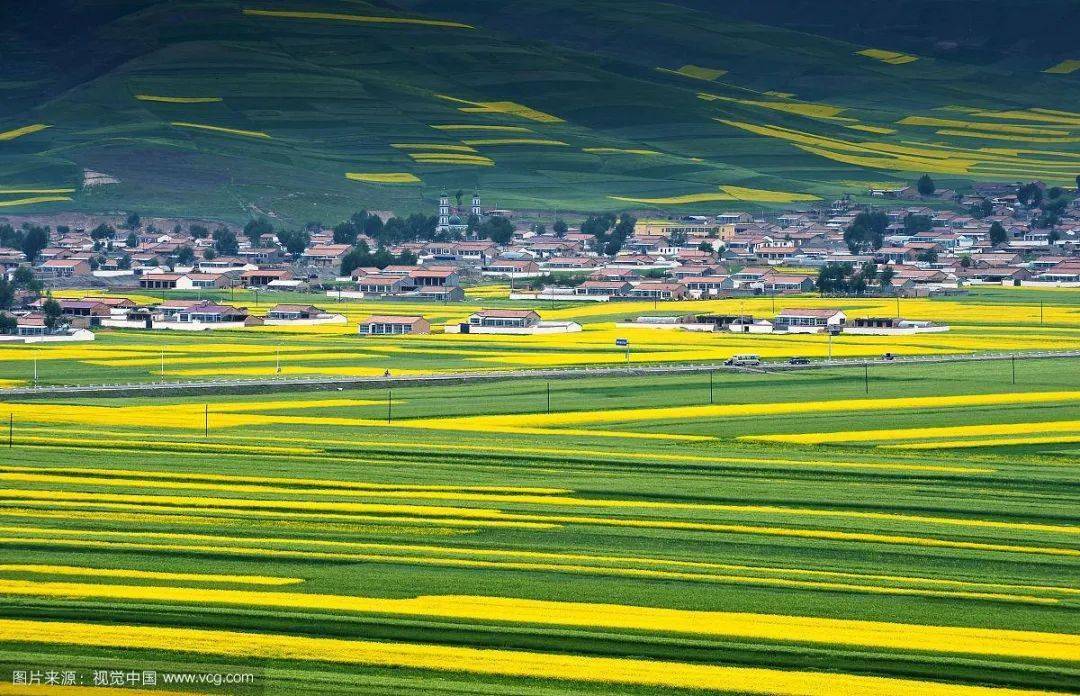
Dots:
(510, 321)
(809, 320)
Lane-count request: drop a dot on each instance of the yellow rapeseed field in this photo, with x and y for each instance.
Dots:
(523, 496)
(514, 141)
(451, 158)
(696, 72)
(656, 673)
(40, 569)
(891, 57)
(875, 634)
(982, 125)
(975, 431)
(502, 107)
(177, 100)
(24, 130)
(989, 442)
(1065, 67)
(432, 146)
(677, 200)
(243, 551)
(762, 196)
(480, 127)
(871, 129)
(555, 420)
(365, 19)
(7, 191)
(221, 129)
(618, 151)
(34, 199)
(383, 177)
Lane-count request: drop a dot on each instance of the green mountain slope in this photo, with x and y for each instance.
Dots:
(309, 110)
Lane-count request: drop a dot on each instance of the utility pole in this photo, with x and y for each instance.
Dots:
(710, 386)
(163, 363)
(35, 371)
(277, 360)
(866, 378)
(11, 431)
(206, 420)
(830, 346)
(1040, 312)
(897, 305)
(1013, 369)
(549, 397)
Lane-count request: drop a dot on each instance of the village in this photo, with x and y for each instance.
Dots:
(909, 245)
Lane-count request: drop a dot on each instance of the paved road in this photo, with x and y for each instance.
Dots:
(277, 384)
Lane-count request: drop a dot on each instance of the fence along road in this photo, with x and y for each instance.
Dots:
(279, 384)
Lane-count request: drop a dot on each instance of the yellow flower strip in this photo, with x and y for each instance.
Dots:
(383, 177)
(480, 127)
(114, 444)
(366, 19)
(36, 190)
(962, 588)
(421, 493)
(763, 196)
(595, 455)
(177, 100)
(484, 513)
(488, 661)
(891, 57)
(981, 125)
(146, 574)
(284, 480)
(210, 503)
(483, 423)
(25, 130)
(618, 151)
(165, 514)
(678, 200)
(433, 146)
(34, 199)
(988, 442)
(221, 129)
(528, 566)
(514, 141)
(606, 455)
(895, 636)
(1069, 426)
(150, 359)
(1064, 67)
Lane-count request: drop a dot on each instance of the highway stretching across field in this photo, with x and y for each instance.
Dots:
(316, 383)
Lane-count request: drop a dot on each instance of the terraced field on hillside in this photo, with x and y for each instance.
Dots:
(313, 110)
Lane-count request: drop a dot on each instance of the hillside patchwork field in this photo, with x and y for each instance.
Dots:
(310, 111)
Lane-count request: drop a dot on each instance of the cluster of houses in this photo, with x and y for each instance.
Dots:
(92, 312)
(729, 254)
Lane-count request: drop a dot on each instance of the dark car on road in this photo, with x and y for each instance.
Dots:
(799, 361)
